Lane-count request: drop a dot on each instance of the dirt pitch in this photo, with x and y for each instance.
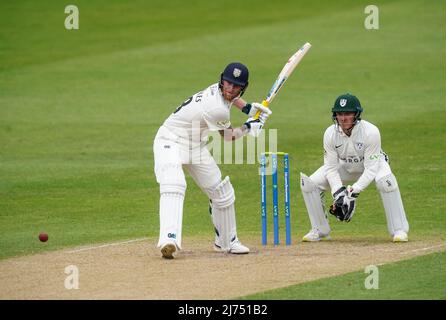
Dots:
(135, 270)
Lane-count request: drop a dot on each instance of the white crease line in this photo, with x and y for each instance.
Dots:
(107, 245)
(427, 248)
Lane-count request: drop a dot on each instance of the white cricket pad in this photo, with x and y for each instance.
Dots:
(314, 204)
(393, 204)
(223, 213)
(172, 190)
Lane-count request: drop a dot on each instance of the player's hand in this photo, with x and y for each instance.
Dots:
(349, 203)
(255, 125)
(255, 107)
(351, 193)
(338, 196)
(337, 208)
(251, 109)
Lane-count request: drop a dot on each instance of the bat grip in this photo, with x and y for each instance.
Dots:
(265, 104)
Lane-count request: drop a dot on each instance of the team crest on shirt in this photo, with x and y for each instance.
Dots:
(224, 123)
(343, 102)
(237, 72)
(359, 145)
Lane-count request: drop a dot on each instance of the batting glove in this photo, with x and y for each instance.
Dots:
(255, 125)
(251, 109)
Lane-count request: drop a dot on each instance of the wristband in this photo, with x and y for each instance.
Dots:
(247, 108)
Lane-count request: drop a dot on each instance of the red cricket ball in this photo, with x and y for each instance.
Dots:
(43, 237)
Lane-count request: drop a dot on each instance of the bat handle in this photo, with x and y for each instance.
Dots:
(266, 104)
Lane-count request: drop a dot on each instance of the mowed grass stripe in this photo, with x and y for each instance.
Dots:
(105, 106)
(418, 278)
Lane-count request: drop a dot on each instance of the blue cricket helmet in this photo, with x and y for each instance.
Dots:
(236, 73)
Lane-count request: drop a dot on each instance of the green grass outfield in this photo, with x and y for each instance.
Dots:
(79, 109)
(421, 278)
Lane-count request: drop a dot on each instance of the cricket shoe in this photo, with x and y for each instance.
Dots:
(236, 247)
(168, 250)
(314, 236)
(400, 236)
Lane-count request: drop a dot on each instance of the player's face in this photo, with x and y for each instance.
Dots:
(346, 120)
(230, 90)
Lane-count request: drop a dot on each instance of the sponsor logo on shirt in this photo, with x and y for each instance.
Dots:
(223, 123)
(352, 159)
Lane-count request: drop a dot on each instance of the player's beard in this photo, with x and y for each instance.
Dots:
(230, 95)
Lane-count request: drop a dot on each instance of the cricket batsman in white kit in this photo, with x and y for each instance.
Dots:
(181, 143)
(352, 154)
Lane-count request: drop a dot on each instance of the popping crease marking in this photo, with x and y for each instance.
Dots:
(107, 245)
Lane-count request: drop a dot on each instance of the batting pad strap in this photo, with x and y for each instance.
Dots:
(223, 196)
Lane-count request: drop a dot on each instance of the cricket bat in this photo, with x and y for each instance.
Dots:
(284, 74)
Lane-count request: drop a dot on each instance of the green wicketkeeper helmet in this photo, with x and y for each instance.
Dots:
(347, 103)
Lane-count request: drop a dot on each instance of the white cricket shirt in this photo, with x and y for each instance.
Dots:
(359, 153)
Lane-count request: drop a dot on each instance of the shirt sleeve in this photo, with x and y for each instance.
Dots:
(331, 161)
(372, 156)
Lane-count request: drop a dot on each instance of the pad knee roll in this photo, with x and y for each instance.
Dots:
(223, 196)
(387, 183)
(171, 179)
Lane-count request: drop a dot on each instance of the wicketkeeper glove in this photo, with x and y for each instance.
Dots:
(336, 208)
(349, 204)
(344, 204)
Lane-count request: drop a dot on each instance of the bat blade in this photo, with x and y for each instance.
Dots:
(289, 67)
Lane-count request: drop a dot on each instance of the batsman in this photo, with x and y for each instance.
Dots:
(180, 143)
(353, 158)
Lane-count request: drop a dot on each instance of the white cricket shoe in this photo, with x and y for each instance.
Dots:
(314, 235)
(168, 250)
(400, 236)
(236, 247)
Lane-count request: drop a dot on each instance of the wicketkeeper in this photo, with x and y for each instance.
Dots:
(352, 160)
(181, 143)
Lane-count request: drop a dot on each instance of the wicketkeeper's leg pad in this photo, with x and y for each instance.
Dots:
(393, 204)
(313, 197)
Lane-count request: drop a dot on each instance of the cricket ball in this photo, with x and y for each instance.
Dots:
(43, 237)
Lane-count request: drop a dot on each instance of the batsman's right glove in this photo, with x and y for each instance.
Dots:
(256, 125)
